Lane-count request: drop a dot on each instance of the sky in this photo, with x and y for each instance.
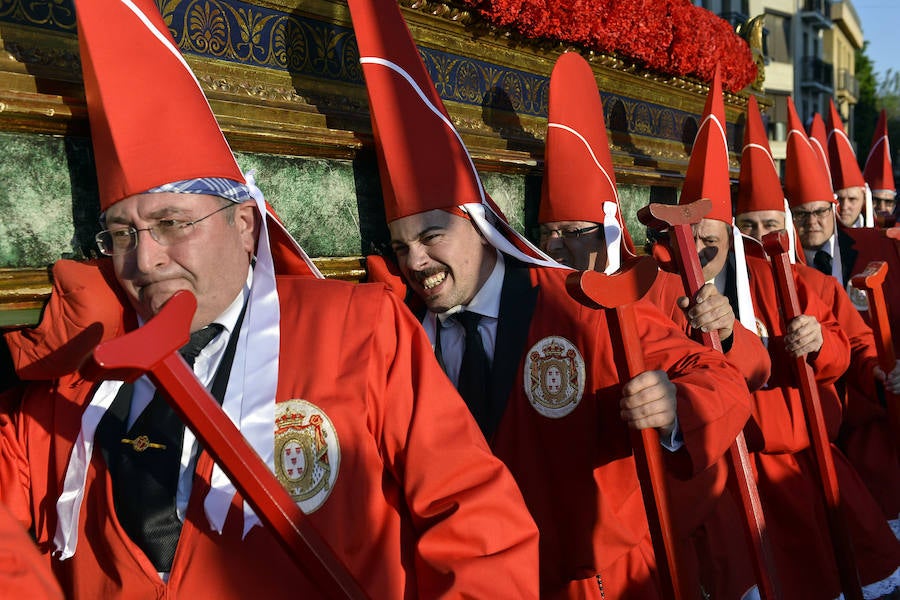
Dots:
(880, 20)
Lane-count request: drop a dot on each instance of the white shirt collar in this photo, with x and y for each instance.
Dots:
(828, 247)
(486, 301)
(228, 319)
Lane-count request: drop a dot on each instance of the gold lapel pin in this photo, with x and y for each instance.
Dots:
(141, 443)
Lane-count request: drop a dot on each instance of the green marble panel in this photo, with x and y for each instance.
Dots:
(631, 199)
(509, 192)
(315, 198)
(48, 200)
(49, 206)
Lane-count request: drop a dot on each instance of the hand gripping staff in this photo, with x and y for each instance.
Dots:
(619, 291)
(871, 280)
(153, 349)
(776, 247)
(677, 219)
(890, 230)
(885, 221)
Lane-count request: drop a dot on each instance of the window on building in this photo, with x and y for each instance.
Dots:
(778, 116)
(733, 11)
(778, 38)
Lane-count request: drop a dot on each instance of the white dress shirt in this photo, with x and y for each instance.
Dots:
(486, 302)
(205, 366)
(833, 250)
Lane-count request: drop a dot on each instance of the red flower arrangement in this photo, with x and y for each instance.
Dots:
(673, 37)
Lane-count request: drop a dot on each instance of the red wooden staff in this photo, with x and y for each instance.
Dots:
(871, 280)
(776, 247)
(619, 291)
(885, 221)
(677, 219)
(153, 349)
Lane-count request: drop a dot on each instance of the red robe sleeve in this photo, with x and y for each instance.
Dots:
(749, 355)
(860, 400)
(23, 572)
(833, 358)
(713, 399)
(14, 471)
(779, 424)
(747, 352)
(476, 538)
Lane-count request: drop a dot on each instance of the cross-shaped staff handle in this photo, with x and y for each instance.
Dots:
(678, 219)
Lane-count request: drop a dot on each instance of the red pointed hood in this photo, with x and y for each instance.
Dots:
(760, 187)
(805, 179)
(845, 171)
(578, 173)
(150, 121)
(707, 173)
(423, 162)
(879, 172)
(818, 137)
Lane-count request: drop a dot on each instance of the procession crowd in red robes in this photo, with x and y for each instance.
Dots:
(490, 416)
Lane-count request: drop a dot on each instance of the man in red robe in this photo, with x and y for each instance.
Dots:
(879, 170)
(549, 396)
(333, 385)
(853, 195)
(838, 239)
(581, 226)
(865, 437)
(786, 474)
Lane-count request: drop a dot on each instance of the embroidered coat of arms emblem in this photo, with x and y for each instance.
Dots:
(554, 376)
(307, 453)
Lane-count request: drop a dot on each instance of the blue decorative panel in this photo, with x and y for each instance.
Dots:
(251, 35)
(56, 15)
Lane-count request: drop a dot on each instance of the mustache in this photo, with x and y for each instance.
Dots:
(145, 281)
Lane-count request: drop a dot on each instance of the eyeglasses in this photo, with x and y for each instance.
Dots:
(166, 232)
(883, 204)
(802, 216)
(569, 234)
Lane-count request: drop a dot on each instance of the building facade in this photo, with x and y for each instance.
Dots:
(810, 48)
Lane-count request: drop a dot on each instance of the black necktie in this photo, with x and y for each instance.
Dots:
(144, 466)
(822, 261)
(474, 372)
